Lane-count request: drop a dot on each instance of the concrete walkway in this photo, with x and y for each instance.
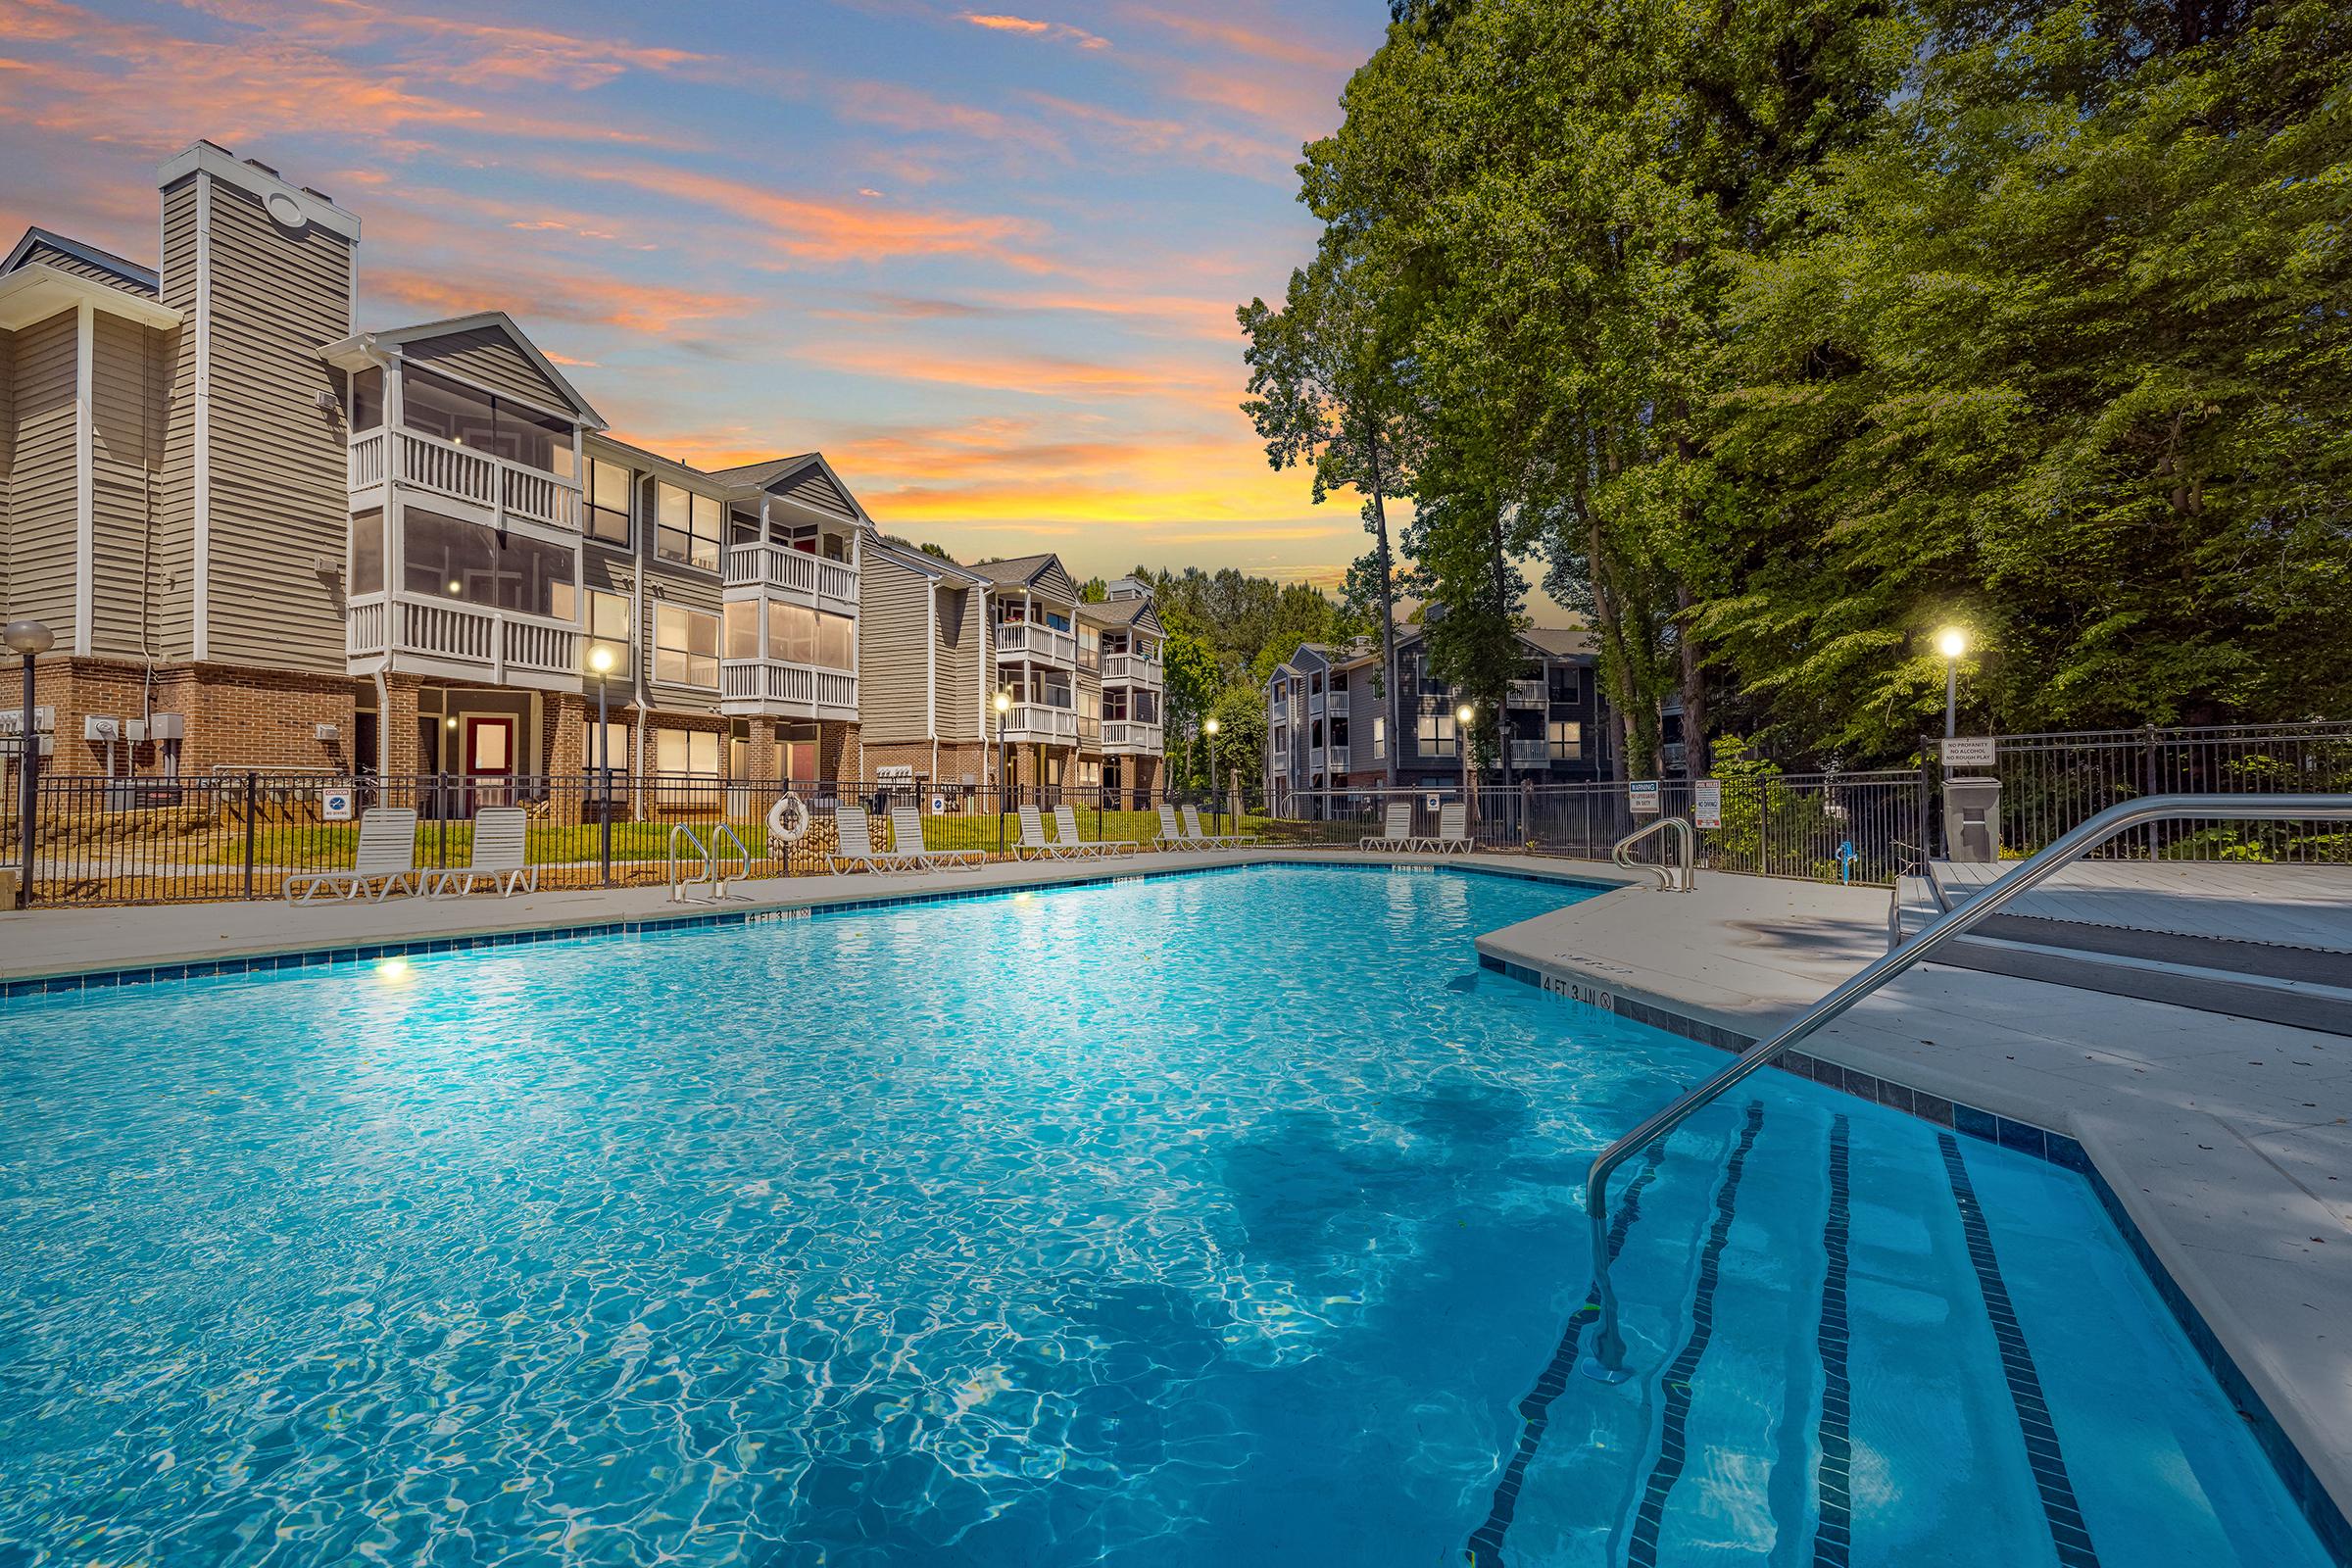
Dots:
(2228, 1142)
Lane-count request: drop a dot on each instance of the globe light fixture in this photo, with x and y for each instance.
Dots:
(1951, 642)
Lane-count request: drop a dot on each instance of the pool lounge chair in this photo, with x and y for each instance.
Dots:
(498, 853)
(386, 863)
(1453, 836)
(1066, 823)
(1211, 841)
(1396, 834)
(1033, 840)
(906, 838)
(1171, 836)
(857, 850)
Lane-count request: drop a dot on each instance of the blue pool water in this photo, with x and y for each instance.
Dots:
(1223, 1219)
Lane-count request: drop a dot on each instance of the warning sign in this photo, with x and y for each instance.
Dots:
(1706, 803)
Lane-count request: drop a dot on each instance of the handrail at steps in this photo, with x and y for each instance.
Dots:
(1669, 879)
(1894, 898)
(726, 831)
(1607, 1358)
(710, 861)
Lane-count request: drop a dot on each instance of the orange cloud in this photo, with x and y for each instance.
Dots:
(544, 296)
(1035, 374)
(1059, 30)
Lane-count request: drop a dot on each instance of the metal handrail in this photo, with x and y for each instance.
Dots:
(1916, 857)
(709, 864)
(726, 831)
(1669, 881)
(1607, 1358)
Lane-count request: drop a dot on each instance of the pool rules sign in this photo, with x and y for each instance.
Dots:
(1706, 803)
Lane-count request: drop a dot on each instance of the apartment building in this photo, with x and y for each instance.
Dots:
(1327, 723)
(941, 641)
(269, 540)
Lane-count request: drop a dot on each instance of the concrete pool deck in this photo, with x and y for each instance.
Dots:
(2225, 1139)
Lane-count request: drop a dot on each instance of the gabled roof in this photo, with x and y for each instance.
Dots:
(1044, 573)
(481, 321)
(1136, 613)
(922, 561)
(130, 273)
(1560, 642)
(806, 479)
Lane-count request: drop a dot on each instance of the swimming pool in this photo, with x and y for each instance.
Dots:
(1210, 1219)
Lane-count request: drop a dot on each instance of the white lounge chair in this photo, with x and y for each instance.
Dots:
(1065, 822)
(1453, 836)
(1033, 840)
(1211, 841)
(857, 850)
(500, 854)
(386, 861)
(1171, 836)
(1396, 834)
(906, 838)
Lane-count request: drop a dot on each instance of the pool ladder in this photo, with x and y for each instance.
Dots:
(1606, 1359)
(714, 874)
(1672, 878)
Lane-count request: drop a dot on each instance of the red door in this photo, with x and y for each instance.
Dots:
(490, 760)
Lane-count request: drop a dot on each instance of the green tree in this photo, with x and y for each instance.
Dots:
(1193, 678)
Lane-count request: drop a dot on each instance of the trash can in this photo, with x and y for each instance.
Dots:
(1972, 820)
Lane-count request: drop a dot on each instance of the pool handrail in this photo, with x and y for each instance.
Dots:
(1606, 1360)
(1670, 878)
(701, 851)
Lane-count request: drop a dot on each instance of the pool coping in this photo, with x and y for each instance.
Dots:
(2327, 1520)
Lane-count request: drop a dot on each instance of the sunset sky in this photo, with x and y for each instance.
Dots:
(985, 260)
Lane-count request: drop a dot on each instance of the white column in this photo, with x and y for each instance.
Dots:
(85, 447)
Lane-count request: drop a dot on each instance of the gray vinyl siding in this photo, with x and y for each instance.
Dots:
(488, 357)
(40, 489)
(813, 489)
(278, 506)
(175, 565)
(68, 262)
(127, 376)
(688, 590)
(1055, 583)
(959, 655)
(8, 447)
(893, 655)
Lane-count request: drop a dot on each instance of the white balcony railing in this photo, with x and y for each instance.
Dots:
(495, 645)
(1129, 670)
(1531, 753)
(779, 568)
(1037, 642)
(802, 691)
(444, 469)
(1314, 705)
(367, 461)
(1527, 694)
(1132, 735)
(1041, 722)
(1314, 760)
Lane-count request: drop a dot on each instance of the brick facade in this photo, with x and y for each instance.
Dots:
(235, 717)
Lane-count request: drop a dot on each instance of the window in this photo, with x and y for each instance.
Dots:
(536, 577)
(1437, 737)
(542, 441)
(1090, 774)
(445, 559)
(1111, 704)
(686, 526)
(1380, 738)
(1314, 736)
(458, 413)
(1339, 734)
(1567, 738)
(1056, 619)
(614, 757)
(607, 503)
(609, 625)
(743, 630)
(367, 552)
(1089, 648)
(791, 633)
(836, 642)
(1566, 684)
(366, 398)
(685, 648)
(1144, 707)
(687, 751)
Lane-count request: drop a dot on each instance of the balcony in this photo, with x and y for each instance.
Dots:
(798, 574)
(1314, 706)
(771, 688)
(1042, 724)
(441, 637)
(1531, 753)
(1130, 669)
(1131, 736)
(452, 472)
(1036, 643)
(1528, 694)
(1315, 759)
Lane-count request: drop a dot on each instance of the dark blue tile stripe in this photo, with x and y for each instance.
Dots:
(1534, 1412)
(1641, 1546)
(2034, 1422)
(1833, 1470)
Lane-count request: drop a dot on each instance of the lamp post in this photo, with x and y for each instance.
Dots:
(1216, 806)
(1463, 717)
(1003, 778)
(600, 660)
(30, 639)
(1952, 643)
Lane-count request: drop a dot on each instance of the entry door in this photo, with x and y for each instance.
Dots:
(490, 760)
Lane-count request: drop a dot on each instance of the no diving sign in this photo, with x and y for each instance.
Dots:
(334, 806)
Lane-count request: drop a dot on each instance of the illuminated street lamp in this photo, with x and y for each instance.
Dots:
(30, 639)
(1216, 806)
(1004, 778)
(1463, 717)
(1952, 643)
(600, 662)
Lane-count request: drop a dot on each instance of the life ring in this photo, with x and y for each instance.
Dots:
(787, 820)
